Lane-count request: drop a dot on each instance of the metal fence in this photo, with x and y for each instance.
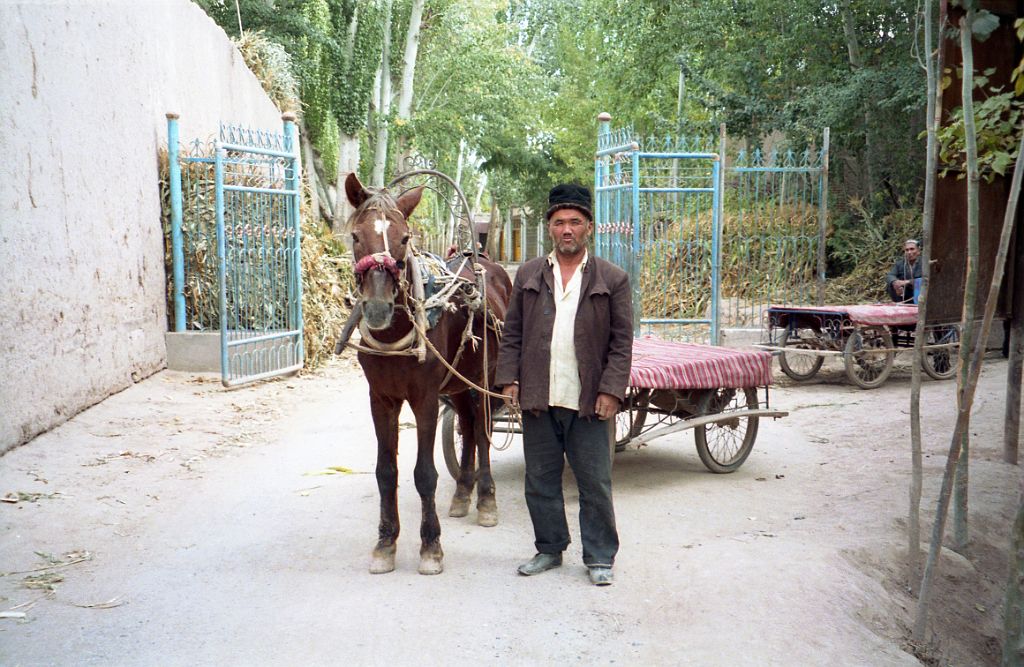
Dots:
(773, 232)
(709, 245)
(235, 225)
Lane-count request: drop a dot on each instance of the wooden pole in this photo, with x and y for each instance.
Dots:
(960, 485)
(1015, 362)
(933, 64)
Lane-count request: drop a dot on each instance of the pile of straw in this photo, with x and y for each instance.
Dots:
(870, 248)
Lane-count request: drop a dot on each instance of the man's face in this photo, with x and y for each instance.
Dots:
(911, 251)
(569, 230)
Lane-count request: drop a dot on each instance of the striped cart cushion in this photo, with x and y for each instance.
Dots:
(875, 314)
(661, 364)
(883, 313)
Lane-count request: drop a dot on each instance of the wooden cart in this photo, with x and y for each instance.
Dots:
(720, 393)
(866, 337)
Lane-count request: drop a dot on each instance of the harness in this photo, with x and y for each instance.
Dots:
(428, 288)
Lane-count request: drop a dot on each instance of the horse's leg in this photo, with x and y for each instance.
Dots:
(385, 423)
(486, 504)
(425, 474)
(463, 404)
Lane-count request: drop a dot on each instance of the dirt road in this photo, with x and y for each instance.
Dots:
(182, 524)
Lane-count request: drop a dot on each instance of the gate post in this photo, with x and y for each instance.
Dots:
(634, 267)
(218, 175)
(177, 253)
(822, 215)
(294, 179)
(717, 171)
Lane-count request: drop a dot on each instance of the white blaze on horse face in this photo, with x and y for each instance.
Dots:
(380, 225)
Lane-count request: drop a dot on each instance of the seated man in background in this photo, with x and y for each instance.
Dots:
(899, 282)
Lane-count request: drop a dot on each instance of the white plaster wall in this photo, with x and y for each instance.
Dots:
(84, 88)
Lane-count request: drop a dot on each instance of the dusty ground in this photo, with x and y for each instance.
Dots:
(183, 524)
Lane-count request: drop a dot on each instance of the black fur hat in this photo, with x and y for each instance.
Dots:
(569, 195)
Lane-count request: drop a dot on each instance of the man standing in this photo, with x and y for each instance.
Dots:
(903, 272)
(565, 353)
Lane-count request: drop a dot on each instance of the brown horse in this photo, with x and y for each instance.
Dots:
(385, 278)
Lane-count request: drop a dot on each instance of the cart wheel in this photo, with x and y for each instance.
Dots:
(800, 367)
(940, 363)
(451, 440)
(866, 367)
(724, 446)
(629, 421)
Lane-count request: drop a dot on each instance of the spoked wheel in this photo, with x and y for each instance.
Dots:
(800, 367)
(868, 356)
(451, 439)
(940, 362)
(629, 421)
(725, 445)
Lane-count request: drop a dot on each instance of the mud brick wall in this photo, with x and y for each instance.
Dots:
(84, 89)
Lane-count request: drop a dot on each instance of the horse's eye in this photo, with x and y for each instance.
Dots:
(405, 239)
(355, 239)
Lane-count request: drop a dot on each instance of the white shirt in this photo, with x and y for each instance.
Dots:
(564, 373)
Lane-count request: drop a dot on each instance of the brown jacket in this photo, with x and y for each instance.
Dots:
(603, 333)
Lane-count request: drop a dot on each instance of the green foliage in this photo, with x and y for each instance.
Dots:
(997, 120)
(316, 55)
(357, 57)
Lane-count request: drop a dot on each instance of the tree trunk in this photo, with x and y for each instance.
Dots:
(380, 156)
(856, 63)
(405, 92)
(307, 159)
(933, 64)
(348, 162)
(1015, 358)
(481, 187)
(960, 532)
(493, 232)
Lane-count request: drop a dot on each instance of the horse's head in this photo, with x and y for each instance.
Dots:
(380, 240)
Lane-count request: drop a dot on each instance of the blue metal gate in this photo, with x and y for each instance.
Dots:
(658, 215)
(708, 247)
(255, 212)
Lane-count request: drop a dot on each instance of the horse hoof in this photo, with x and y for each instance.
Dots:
(431, 559)
(487, 512)
(383, 560)
(431, 564)
(460, 507)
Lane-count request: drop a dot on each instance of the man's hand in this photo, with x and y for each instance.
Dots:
(606, 407)
(511, 394)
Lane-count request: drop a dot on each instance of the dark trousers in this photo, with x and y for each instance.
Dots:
(549, 438)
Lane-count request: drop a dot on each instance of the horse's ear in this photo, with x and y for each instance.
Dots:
(355, 191)
(409, 200)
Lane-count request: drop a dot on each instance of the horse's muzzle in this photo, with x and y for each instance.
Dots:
(377, 313)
